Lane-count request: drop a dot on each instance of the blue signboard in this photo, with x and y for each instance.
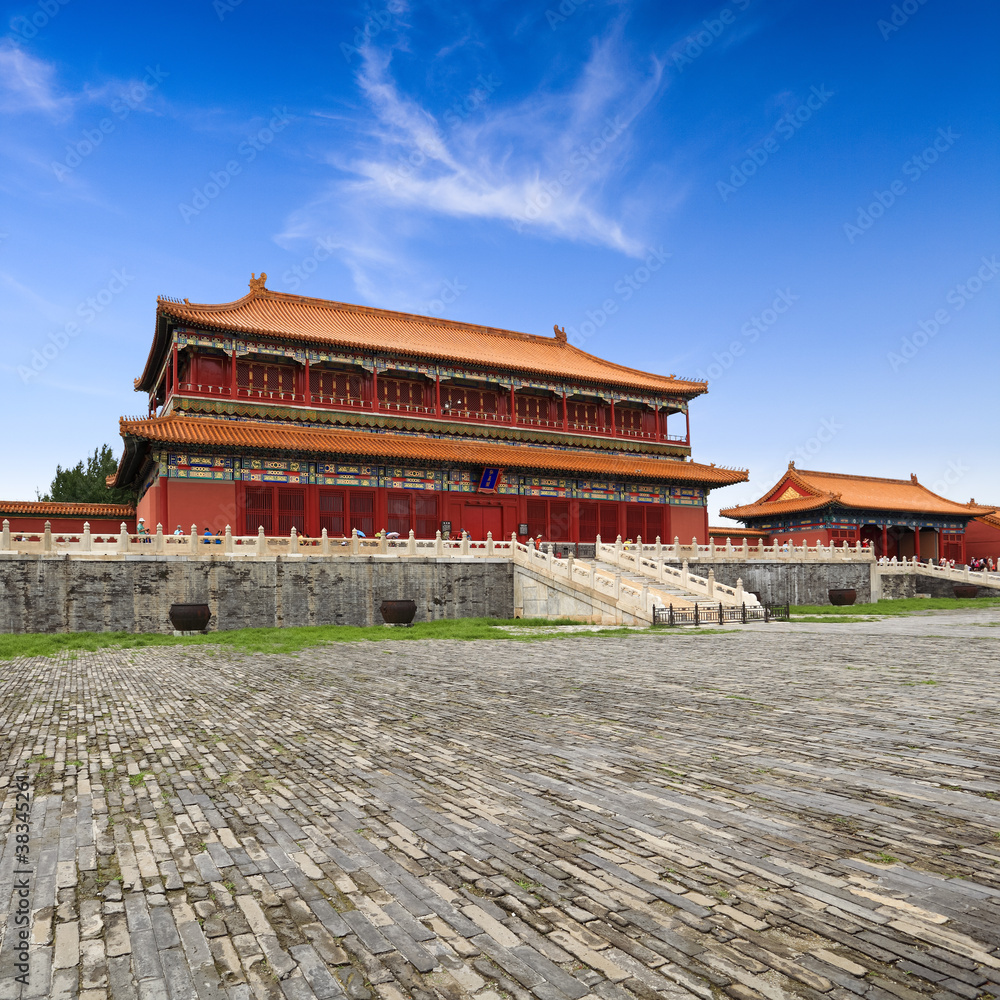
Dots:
(488, 480)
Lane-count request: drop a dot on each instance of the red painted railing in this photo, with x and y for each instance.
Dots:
(464, 416)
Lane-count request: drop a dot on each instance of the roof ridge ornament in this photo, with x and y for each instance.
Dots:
(257, 284)
(560, 333)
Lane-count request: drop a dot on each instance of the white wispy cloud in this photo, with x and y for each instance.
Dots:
(544, 164)
(28, 84)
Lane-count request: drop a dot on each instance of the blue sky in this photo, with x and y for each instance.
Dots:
(796, 201)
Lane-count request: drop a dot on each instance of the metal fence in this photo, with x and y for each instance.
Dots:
(718, 614)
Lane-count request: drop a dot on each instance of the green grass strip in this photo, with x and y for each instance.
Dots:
(292, 639)
(904, 606)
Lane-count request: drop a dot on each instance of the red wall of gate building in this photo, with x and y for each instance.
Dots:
(245, 507)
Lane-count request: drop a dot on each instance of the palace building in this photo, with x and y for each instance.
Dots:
(896, 517)
(279, 411)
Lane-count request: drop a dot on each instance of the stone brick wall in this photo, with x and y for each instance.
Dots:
(796, 583)
(134, 593)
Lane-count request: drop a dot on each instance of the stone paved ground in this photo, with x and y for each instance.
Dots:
(786, 811)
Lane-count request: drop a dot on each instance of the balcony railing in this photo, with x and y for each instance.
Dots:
(470, 416)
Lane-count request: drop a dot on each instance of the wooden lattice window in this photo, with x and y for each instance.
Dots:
(534, 408)
(609, 521)
(363, 512)
(331, 512)
(401, 392)
(291, 510)
(583, 414)
(426, 515)
(259, 510)
(588, 522)
(459, 399)
(335, 384)
(399, 512)
(628, 419)
(559, 520)
(258, 377)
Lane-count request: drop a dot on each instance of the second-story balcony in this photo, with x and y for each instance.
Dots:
(353, 391)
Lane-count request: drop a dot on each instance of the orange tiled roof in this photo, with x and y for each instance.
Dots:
(295, 317)
(200, 431)
(44, 508)
(992, 519)
(805, 490)
(732, 532)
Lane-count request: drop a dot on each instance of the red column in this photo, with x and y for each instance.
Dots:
(513, 405)
(612, 418)
(233, 384)
(687, 427)
(437, 394)
(885, 541)
(375, 387)
(306, 389)
(659, 430)
(565, 418)
(175, 365)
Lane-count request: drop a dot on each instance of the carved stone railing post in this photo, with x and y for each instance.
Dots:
(438, 543)
(677, 547)
(383, 543)
(684, 574)
(86, 543)
(355, 542)
(293, 543)
(5, 535)
(465, 542)
(659, 548)
(157, 545)
(229, 539)
(193, 542)
(739, 590)
(122, 538)
(746, 548)
(261, 541)
(618, 546)
(411, 544)
(711, 583)
(638, 544)
(324, 543)
(644, 597)
(593, 576)
(489, 543)
(711, 548)
(618, 586)
(47, 536)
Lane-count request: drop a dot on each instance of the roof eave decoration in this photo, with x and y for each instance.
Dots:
(266, 313)
(252, 436)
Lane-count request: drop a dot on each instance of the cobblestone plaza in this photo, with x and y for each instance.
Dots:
(785, 811)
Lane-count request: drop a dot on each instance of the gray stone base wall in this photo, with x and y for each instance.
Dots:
(795, 583)
(134, 593)
(896, 588)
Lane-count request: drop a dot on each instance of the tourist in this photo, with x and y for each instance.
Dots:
(140, 530)
(178, 531)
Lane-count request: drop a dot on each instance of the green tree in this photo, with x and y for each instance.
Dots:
(85, 482)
